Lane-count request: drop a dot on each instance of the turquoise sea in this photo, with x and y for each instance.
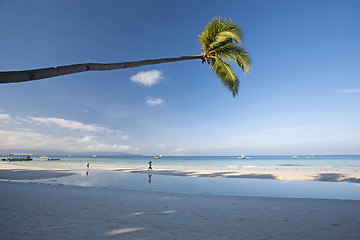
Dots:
(213, 161)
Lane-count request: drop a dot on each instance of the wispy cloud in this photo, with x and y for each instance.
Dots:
(70, 124)
(286, 129)
(154, 101)
(162, 145)
(148, 78)
(5, 118)
(83, 137)
(179, 150)
(294, 128)
(348, 91)
(33, 140)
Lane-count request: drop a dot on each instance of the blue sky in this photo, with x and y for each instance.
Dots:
(302, 95)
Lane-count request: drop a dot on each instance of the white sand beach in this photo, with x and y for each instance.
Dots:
(43, 211)
(307, 173)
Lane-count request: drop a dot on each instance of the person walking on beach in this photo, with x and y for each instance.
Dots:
(87, 172)
(150, 167)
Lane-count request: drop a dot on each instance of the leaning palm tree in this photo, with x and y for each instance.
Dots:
(220, 41)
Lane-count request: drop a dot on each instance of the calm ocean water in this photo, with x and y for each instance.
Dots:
(216, 186)
(211, 161)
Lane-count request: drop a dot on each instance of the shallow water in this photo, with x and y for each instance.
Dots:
(182, 162)
(211, 186)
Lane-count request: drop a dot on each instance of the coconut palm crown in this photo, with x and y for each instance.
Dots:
(220, 41)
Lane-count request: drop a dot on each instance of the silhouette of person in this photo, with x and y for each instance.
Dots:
(150, 167)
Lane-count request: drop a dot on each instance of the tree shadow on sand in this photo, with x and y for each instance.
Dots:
(335, 177)
(257, 176)
(195, 174)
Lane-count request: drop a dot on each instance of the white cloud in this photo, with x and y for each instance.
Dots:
(44, 138)
(179, 150)
(109, 148)
(70, 124)
(125, 137)
(87, 139)
(29, 140)
(296, 128)
(5, 118)
(162, 145)
(287, 129)
(148, 78)
(154, 101)
(349, 91)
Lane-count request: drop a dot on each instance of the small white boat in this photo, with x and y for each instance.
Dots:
(242, 156)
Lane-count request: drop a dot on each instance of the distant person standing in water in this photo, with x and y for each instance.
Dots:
(88, 165)
(150, 167)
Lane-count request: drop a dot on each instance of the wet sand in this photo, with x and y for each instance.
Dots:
(42, 211)
(29, 174)
(328, 174)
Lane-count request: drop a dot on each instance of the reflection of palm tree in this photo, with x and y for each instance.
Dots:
(220, 41)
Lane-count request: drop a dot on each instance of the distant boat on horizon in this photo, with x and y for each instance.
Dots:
(20, 158)
(158, 157)
(242, 156)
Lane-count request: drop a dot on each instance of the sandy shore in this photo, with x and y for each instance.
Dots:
(41, 211)
(38, 211)
(330, 174)
(278, 173)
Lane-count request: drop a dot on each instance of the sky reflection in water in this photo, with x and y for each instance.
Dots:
(213, 186)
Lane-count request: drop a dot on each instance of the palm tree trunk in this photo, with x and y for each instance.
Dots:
(36, 74)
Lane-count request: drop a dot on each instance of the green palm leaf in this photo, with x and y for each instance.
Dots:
(227, 75)
(234, 53)
(221, 41)
(224, 38)
(219, 30)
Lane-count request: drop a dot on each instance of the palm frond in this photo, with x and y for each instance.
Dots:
(219, 30)
(226, 35)
(234, 53)
(227, 75)
(224, 38)
(220, 41)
